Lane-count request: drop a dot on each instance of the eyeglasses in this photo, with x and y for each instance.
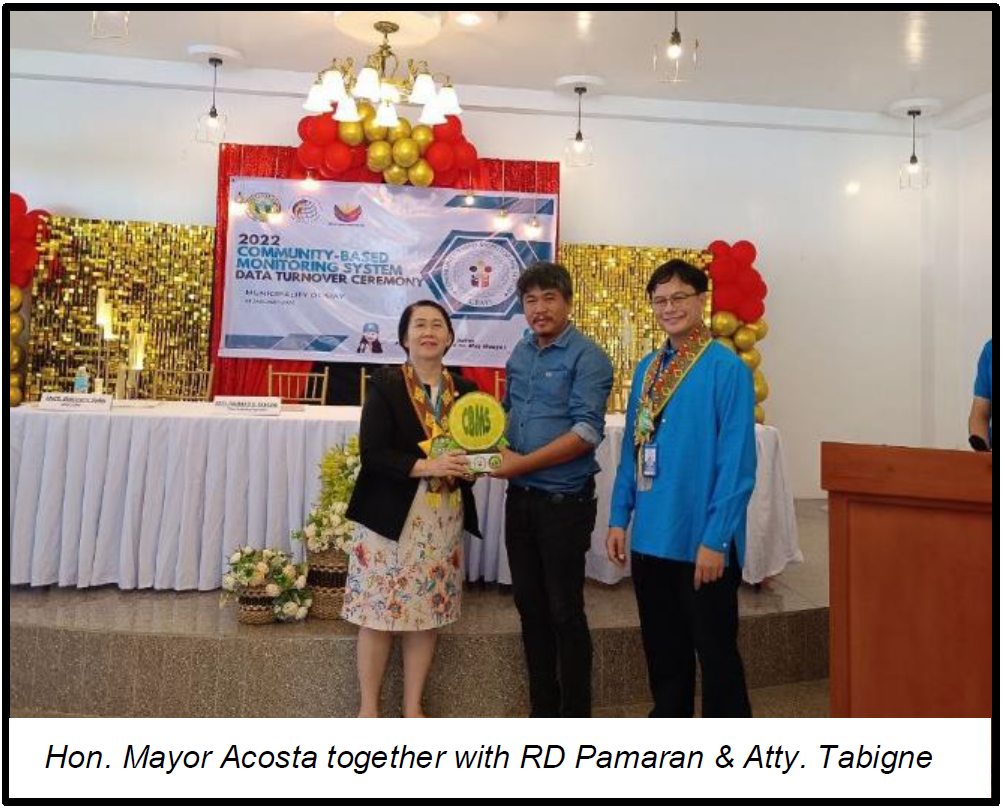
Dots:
(674, 301)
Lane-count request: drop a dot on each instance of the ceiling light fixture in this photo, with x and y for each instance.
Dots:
(383, 81)
(110, 24)
(211, 126)
(671, 62)
(913, 176)
(578, 153)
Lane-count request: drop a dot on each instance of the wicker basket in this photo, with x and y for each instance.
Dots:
(326, 579)
(255, 608)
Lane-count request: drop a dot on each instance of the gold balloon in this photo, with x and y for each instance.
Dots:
(15, 397)
(760, 414)
(751, 357)
(723, 324)
(365, 110)
(744, 338)
(423, 136)
(379, 156)
(761, 327)
(351, 134)
(395, 175)
(400, 131)
(759, 386)
(16, 299)
(15, 379)
(373, 132)
(726, 342)
(16, 355)
(16, 325)
(406, 153)
(421, 174)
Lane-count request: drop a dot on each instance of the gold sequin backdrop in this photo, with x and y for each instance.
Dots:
(158, 279)
(611, 307)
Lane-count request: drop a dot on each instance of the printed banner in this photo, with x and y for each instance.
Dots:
(323, 272)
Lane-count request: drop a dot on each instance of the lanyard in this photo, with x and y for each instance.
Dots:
(664, 360)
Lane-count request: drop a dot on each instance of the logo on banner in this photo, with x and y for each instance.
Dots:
(480, 274)
(349, 214)
(262, 205)
(305, 211)
(475, 274)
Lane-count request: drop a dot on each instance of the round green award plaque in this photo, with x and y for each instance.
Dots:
(477, 425)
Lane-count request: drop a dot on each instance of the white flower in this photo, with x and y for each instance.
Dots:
(301, 582)
(235, 557)
(272, 590)
(301, 613)
(340, 508)
(289, 571)
(229, 583)
(267, 553)
(310, 531)
(290, 608)
(247, 551)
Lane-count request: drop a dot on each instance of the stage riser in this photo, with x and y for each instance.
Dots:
(263, 672)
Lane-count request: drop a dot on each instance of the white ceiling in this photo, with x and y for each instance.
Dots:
(844, 60)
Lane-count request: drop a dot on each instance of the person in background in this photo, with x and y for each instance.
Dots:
(558, 382)
(980, 420)
(405, 575)
(687, 470)
(370, 342)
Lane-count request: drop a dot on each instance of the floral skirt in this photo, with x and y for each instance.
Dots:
(413, 584)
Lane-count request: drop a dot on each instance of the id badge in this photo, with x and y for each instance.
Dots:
(649, 460)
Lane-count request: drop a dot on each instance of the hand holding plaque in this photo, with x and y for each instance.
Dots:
(476, 426)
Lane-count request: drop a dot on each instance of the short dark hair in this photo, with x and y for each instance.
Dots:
(405, 321)
(678, 268)
(546, 275)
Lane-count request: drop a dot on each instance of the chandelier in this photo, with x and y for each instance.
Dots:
(386, 82)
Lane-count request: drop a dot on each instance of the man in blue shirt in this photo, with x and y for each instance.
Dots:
(980, 421)
(557, 384)
(687, 470)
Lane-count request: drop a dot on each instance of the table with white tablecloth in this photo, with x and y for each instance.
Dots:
(158, 495)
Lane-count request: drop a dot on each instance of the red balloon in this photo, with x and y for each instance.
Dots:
(310, 155)
(445, 179)
(750, 310)
(21, 277)
(727, 297)
(337, 157)
(374, 177)
(23, 256)
(744, 252)
(449, 132)
(358, 155)
(324, 130)
(719, 248)
(16, 207)
(328, 174)
(466, 155)
(296, 171)
(26, 228)
(440, 156)
(748, 281)
(723, 269)
(303, 127)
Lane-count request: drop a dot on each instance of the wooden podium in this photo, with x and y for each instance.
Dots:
(911, 600)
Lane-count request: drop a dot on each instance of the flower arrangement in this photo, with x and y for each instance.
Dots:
(272, 573)
(326, 527)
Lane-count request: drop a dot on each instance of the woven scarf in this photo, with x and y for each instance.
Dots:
(432, 426)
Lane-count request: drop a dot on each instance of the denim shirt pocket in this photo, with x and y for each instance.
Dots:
(555, 387)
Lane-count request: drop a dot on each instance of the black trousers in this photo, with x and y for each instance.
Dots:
(679, 625)
(546, 541)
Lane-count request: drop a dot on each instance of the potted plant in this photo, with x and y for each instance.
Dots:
(268, 586)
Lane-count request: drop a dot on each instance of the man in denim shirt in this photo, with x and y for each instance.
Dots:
(558, 381)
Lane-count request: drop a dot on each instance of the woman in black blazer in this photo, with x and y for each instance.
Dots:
(405, 572)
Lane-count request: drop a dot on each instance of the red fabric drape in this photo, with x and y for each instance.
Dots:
(249, 377)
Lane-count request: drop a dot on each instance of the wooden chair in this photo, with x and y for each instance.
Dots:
(182, 385)
(298, 388)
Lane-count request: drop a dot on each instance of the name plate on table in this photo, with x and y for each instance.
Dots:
(75, 402)
(257, 405)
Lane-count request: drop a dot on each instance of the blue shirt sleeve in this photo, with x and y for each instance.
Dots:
(589, 393)
(625, 485)
(984, 377)
(735, 467)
